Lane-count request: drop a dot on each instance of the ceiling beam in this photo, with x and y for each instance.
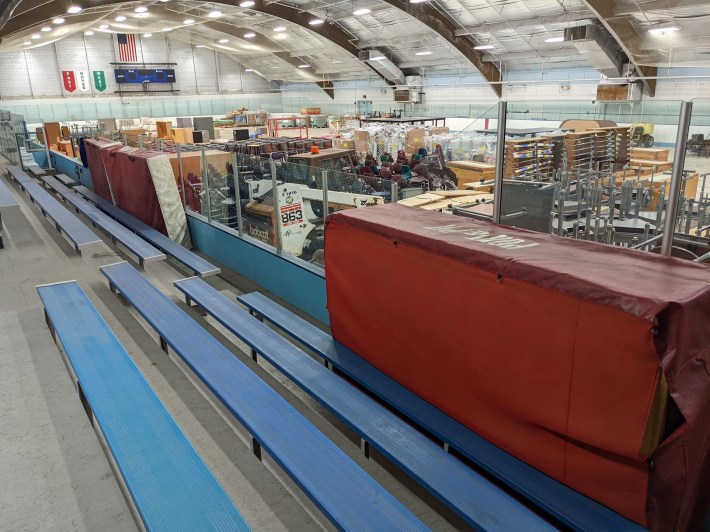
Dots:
(431, 17)
(627, 38)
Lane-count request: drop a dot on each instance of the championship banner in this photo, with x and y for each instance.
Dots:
(82, 80)
(69, 80)
(99, 80)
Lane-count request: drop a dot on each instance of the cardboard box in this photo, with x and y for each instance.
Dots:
(438, 130)
(414, 140)
(344, 144)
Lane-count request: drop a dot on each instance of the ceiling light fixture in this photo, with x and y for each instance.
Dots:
(249, 70)
(316, 22)
(360, 12)
(417, 1)
(27, 43)
(249, 35)
(188, 21)
(167, 28)
(214, 14)
(46, 28)
(278, 29)
(223, 41)
(73, 10)
(304, 65)
(377, 58)
(246, 3)
(36, 36)
(200, 46)
(484, 47)
(425, 52)
(555, 39)
(662, 30)
(58, 20)
(141, 9)
(336, 61)
(120, 18)
(103, 27)
(147, 35)
(88, 33)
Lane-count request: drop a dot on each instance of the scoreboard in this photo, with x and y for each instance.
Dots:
(142, 76)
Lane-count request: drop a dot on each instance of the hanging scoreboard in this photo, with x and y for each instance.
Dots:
(142, 76)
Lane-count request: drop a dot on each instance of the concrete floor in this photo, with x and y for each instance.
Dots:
(54, 473)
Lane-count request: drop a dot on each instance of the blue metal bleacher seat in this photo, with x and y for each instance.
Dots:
(475, 499)
(571, 508)
(69, 225)
(65, 180)
(143, 251)
(338, 487)
(193, 262)
(167, 483)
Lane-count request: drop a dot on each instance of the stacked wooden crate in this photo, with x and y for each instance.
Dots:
(580, 149)
(472, 171)
(528, 159)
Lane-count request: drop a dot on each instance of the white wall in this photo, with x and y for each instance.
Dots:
(36, 73)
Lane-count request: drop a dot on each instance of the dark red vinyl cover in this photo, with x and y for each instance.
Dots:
(562, 352)
(94, 147)
(132, 185)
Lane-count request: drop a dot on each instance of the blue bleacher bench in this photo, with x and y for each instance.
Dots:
(65, 180)
(168, 484)
(193, 262)
(475, 499)
(66, 223)
(143, 251)
(571, 508)
(7, 202)
(345, 494)
(35, 170)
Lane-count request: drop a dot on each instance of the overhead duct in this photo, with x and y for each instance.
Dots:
(598, 47)
(386, 68)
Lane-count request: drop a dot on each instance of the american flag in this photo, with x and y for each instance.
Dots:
(127, 47)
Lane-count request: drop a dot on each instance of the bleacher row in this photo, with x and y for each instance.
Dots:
(167, 482)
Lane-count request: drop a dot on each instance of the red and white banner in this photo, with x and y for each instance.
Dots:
(82, 80)
(69, 80)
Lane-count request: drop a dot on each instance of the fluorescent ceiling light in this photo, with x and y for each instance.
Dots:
(484, 47)
(417, 1)
(246, 3)
(74, 10)
(188, 21)
(316, 22)
(377, 58)
(27, 43)
(249, 70)
(336, 61)
(167, 28)
(278, 29)
(660, 30)
(363, 11)
(58, 20)
(88, 33)
(141, 9)
(223, 41)
(36, 36)
(46, 28)
(120, 18)
(555, 39)
(425, 52)
(147, 35)
(200, 46)
(304, 65)
(103, 27)
(214, 14)
(249, 35)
